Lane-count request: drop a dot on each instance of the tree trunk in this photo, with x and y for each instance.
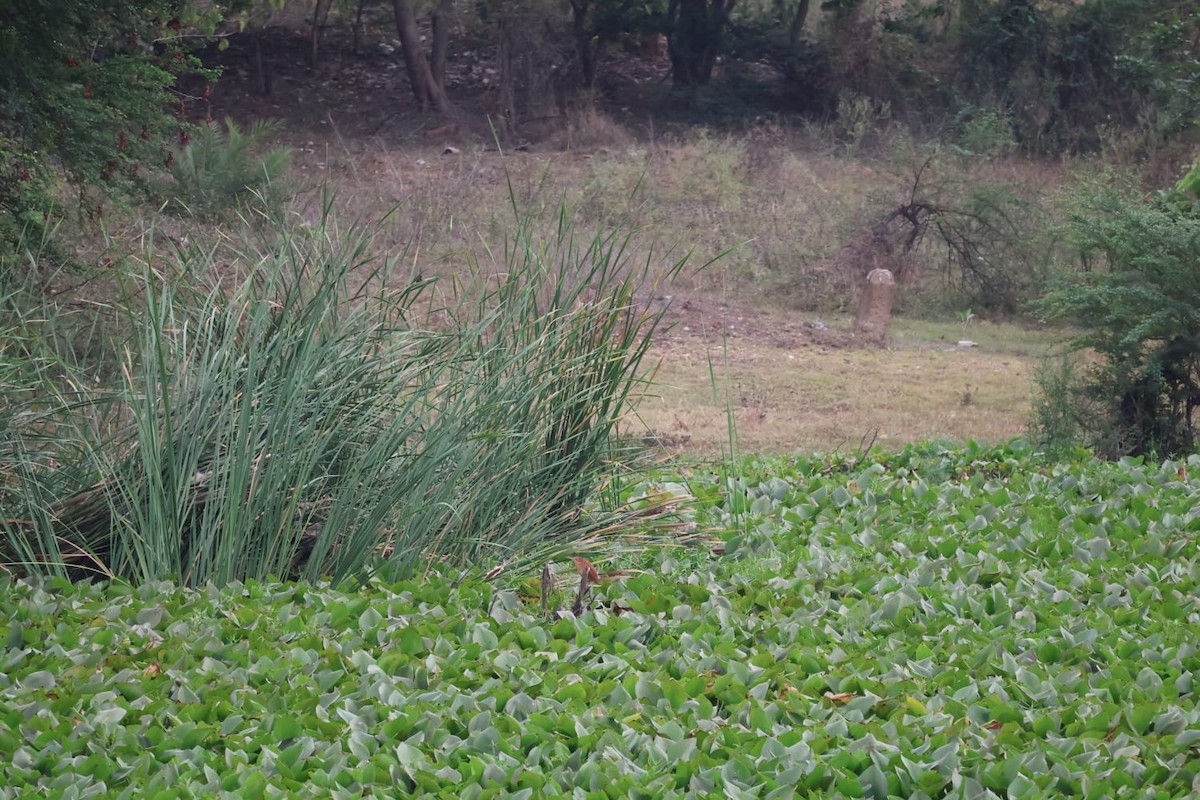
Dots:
(695, 40)
(426, 91)
(262, 70)
(441, 40)
(508, 99)
(583, 42)
(358, 27)
(798, 22)
(320, 17)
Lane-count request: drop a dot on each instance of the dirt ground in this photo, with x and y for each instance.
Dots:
(812, 385)
(787, 382)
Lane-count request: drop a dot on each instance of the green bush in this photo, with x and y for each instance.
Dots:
(1063, 415)
(1060, 74)
(222, 168)
(289, 424)
(1137, 300)
(85, 95)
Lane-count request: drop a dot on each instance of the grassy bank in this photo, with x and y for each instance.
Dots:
(805, 383)
(280, 404)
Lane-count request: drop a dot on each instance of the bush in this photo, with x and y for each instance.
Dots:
(1137, 300)
(288, 424)
(84, 93)
(1063, 415)
(223, 168)
(1060, 74)
(982, 234)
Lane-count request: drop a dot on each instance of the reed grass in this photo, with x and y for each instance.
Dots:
(296, 415)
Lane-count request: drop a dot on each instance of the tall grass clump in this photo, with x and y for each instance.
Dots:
(298, 419)
(53, 351)
(225, 167)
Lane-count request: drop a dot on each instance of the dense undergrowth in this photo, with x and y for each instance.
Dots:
(975, 623)
(291, 404)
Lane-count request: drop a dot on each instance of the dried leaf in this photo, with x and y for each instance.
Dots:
(621, 574)
(840, 697)
(586, 568)
(548, 587)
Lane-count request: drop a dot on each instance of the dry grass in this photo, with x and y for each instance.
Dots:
(771, 210)
(808, 390)
(777, 203)
(780, 208)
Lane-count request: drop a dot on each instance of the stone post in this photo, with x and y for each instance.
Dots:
(875, 305)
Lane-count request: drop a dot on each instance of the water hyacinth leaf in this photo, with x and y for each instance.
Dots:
(408, 755)
(821, 662)
(286, 728)
(41, 679)
(369, 619)
(1141, 717)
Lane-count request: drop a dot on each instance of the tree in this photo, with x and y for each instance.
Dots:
(799, 20)
(85, 91)
(596, 23)
(695, 39)
(1138, 304)
(428, 84)
(1065, 70)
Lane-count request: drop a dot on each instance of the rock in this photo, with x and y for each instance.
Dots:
(875, 305)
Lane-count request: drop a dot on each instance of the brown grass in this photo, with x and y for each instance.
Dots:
(782, 208)
(814, 390)
(772, 210)
(776, 202)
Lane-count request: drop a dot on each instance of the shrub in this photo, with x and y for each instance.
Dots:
(223, 167)
(84, 93)
(288, 424)
(981, 232)
(1061, 74)
(1138, 302)
(1062, 413)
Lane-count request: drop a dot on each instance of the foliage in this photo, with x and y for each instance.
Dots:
(982, 233)
(1063, 414)
(1185, 195)
(220, 168)
(985, 132)
(1137, 302)
(598, 23)
(857, 117)
(696, 38)
(1061, 70)
(296, 422)
(84, 90)
(934, 623)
